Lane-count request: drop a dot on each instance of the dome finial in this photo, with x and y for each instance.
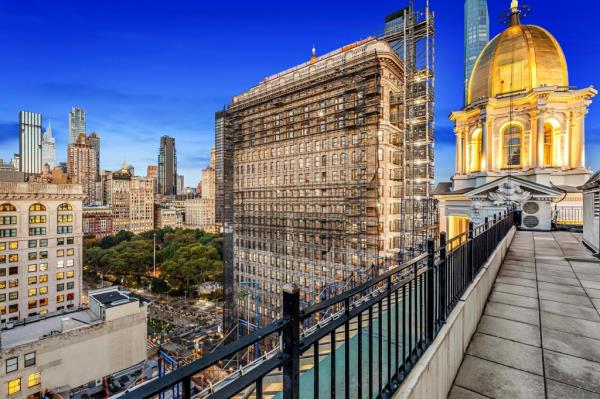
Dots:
(514, 6)
(313, 57)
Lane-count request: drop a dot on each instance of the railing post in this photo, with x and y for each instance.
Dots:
(186, 388)
(487, 238)
(430, 292)
(470, 263)
(291, 341)
(442, 274)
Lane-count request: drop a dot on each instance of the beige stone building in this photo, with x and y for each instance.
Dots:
(40, 248)
(318, 176)
(165, 217)
(520, 140)
(200, 214)
(132, 201)
(208, 178)
(82, 162)
(62, 352)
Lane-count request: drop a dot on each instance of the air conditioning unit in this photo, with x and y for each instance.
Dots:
(537, 215)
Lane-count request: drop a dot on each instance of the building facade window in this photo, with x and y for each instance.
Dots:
(37, 208)
(548, 144)
(14, 386)
(33, 379)
(7, 208)
(511, 139)
(12, 364)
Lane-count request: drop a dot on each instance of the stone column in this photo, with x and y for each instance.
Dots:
(489, 134)
(565, 142)
(540, 139)
(464, 147)
(577, 139)
(484, 144)
(458, 161)
(533, 159)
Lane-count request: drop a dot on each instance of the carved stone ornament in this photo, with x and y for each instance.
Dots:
(509, 193)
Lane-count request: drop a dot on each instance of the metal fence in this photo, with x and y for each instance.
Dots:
(360, 344)
(568, 215)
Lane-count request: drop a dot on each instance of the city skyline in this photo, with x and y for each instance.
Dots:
(130, 108)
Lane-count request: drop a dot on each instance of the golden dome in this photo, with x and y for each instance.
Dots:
(522, 57)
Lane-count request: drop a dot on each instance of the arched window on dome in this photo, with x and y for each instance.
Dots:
(548, 144)
(37, 208)
(511, 145)
(475, 151)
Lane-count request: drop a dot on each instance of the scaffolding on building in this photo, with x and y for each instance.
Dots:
(411, 33)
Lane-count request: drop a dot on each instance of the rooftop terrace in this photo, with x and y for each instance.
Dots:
(491, 314)
(539, 336)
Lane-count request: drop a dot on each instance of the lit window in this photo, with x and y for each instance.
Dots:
(37, 208)
(70, 262)
(43, 278)
(60, 263)
(2, 258)
(32, 268)
(12, 364)
(32, 304)
(14, 308)
(12, 258)
(2, 246)
(13, 283)
(7, 208)
(65, 207)
(60, 252)
(43, 290)
(32, 256)
(512, 146)
(32, 292)
(13, 295)
(37, 219)
(70, 252)
(14, 386)
(60, 298)
(33, 379)
(32, 280)
(43, 266)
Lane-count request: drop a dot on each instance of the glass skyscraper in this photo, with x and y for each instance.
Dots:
(477, 34)
(76, 123)
(30, 142)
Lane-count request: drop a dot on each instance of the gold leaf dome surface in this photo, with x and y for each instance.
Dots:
(522, 57)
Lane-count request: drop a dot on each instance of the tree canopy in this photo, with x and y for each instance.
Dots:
(184, 257)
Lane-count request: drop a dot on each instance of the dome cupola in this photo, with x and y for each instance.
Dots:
(521, 58)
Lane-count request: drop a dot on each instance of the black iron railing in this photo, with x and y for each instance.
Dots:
(359, 344)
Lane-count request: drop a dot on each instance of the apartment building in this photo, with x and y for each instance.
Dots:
(318, 171)
(40, 248)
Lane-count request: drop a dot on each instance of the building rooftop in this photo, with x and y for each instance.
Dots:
(112, 298)
(23, 333)
(539, 335)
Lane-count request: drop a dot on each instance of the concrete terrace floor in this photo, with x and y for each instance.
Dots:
(539, 336)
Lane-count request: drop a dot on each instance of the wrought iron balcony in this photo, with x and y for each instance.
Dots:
(374, 333)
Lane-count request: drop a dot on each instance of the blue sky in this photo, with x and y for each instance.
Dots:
(142, 69)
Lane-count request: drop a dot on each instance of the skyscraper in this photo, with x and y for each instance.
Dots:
(82, 164)
(48, 148)
(94, 142)
(30, 142)
(477, 34)
(167, 166)
(76, 123)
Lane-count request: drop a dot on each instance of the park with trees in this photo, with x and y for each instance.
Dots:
(185, 258)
